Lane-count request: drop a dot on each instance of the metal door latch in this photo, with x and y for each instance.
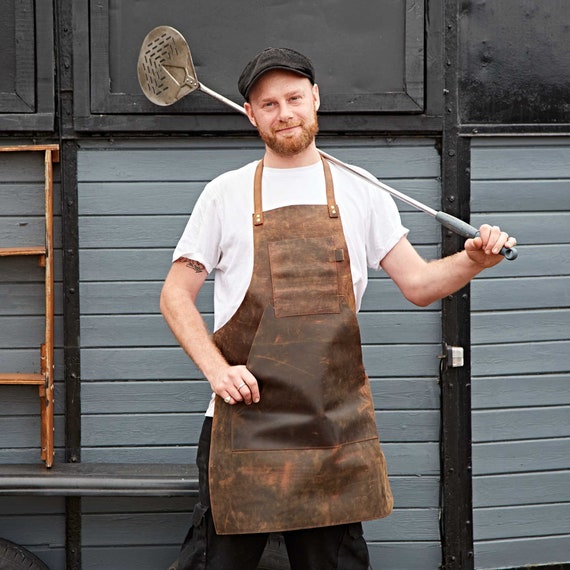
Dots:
(453, 355)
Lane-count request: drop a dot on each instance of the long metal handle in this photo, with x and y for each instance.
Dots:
(221, 98)
(381, 185)
(447, 220)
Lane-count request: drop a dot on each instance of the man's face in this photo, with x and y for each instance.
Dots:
(283, 106)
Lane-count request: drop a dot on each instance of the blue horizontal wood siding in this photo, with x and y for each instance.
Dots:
(143, 400)
(521, 356)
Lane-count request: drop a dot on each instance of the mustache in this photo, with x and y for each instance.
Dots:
(288, 125)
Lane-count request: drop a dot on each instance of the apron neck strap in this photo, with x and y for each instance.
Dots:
(257, 205)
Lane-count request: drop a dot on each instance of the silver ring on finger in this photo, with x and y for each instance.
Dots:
(227, 399)
(240, 386)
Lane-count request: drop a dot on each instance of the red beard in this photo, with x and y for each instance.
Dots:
(291, 145)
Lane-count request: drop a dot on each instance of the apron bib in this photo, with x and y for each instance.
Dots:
(307, 455)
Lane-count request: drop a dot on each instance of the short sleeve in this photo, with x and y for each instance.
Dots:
(385, 227)
(201, 237)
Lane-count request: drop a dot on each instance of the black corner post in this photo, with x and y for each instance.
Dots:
(456, 473)
(63, 25)
(456, 461)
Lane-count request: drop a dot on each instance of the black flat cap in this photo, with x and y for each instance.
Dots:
(274, 58)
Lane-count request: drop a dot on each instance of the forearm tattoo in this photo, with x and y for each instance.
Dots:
(192, 264)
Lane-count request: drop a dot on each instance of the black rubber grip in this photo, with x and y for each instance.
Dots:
(467, 230)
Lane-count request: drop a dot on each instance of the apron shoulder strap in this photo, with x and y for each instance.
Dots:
(257, 209)
(331, 203)
(257, 206)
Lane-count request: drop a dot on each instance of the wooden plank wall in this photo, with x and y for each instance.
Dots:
(22, 324)
(142, 400)
(521, 356)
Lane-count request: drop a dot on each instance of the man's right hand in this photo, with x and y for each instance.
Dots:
(236, 384)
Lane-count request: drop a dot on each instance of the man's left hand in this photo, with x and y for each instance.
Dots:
(485, 248)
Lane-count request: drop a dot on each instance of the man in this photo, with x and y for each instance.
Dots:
(293, 445)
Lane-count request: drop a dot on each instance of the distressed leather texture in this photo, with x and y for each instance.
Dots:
(308, 454)
(304, 276)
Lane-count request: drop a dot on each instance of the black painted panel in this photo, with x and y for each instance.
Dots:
(369, 56)
(17, 46)
(26, 66)
(514, 61)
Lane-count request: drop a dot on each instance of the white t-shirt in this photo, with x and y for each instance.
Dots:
(219, 233)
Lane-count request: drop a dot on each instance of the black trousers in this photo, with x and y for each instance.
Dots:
(328, 548)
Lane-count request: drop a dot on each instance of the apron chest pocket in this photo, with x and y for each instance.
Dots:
(304, 276)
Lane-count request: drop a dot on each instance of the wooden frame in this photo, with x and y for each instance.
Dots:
(44, 380)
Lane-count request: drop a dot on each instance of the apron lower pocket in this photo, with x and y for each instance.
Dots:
(314, 392)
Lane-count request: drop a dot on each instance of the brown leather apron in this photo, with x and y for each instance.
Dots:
(307, 455)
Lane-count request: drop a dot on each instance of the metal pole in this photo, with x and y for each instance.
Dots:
(447, 220)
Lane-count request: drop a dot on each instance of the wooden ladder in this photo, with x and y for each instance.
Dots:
(44, 380)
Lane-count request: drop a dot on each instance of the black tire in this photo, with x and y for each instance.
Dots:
(15, 557)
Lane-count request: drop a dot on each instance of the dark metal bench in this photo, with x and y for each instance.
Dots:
(104, 479)
(117, 479)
